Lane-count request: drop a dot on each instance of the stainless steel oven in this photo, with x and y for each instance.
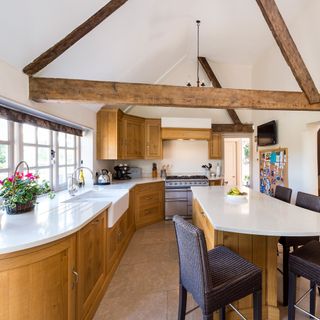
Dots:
(178, 195)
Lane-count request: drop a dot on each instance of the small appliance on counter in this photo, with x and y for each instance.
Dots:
(135, 172)
(103, 178)
(122, 172)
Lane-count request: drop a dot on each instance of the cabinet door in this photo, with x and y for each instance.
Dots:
(215, 146)
(91, 262)
(153, 148)
(39, 284)
(134, 138)
(112, 246)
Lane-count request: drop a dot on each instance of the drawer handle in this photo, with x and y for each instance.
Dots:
(95, 221)
(76, 278)
(202, 212)
(148, 198)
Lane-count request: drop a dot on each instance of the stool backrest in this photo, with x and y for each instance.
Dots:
(308, 201)
(193, 258)
(283, 193)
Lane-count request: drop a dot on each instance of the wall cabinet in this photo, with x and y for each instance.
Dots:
(153, 146)
(149, 203)
(91, 253)
(110, 134)
(121, 136)
(215, 146)
(134, 137)
(39, 283)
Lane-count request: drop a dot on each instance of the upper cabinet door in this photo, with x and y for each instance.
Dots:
(135, 138)
(153, 147)
(215, 146)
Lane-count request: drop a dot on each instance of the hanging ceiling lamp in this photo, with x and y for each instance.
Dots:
(202, 84)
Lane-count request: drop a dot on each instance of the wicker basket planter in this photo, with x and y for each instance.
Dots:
(20, 208)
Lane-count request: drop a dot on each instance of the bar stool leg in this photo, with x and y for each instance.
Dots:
(223, 313)
(292, 296)
(257, 305)
(313, 297)
(182, 302)
(285, 275)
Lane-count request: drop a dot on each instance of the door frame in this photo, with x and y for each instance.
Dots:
(240, 135)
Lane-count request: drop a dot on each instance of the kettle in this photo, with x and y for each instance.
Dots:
(103, 178)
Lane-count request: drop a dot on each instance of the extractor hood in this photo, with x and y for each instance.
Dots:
(185, 128)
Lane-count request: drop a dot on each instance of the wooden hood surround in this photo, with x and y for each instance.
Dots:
(120, 94)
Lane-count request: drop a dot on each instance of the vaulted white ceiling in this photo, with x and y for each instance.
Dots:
(142, 40)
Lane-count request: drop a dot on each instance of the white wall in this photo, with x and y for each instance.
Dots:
(181, 156)
(14, 85)
(297, 130)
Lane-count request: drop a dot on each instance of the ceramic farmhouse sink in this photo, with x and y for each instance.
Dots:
(119, 199)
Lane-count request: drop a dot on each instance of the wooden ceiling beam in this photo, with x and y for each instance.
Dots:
(240, 127)
(119, 93)
(54, 52)
(289, 49)
(215, 83)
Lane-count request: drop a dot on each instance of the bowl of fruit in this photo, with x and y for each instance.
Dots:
(235, 194)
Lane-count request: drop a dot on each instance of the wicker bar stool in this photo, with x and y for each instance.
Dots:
(215, 278)
(306, 201)
(283, 194)
(304, 262)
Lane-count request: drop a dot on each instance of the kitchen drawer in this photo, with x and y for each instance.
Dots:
(148, 187)
(149, 198)
(177, 194)
(176, 207)
(149, 213)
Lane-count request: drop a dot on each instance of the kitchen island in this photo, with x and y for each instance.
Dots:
(251, 226)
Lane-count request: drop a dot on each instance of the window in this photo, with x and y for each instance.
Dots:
(53, 155)
(6, 148)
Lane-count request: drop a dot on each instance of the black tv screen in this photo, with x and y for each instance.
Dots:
(267, 134)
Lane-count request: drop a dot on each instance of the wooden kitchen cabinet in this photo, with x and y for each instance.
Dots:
(215, 146)
(153, 142)
(120, 136)
(110, 134)
(91, 252)
(149, 203)
(39, 283)
(134, 137)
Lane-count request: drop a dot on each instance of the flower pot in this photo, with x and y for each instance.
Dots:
(20, 208)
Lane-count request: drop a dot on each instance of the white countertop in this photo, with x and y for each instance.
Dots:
(258, 214)
(53, 219)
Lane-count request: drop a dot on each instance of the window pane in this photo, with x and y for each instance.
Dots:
(43, 156)
(70, 157)
(3, 129)
(62, 157)
(70, 170)
(44, 174)
(43, 136)
(29, 134)
(61, 139)
(70, 141)
(4, 154)
(4, 175)
(62, 175)
(29, 155)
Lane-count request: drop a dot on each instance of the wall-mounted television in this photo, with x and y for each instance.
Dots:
(267, 134)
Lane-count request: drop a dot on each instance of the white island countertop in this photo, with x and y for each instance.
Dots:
(54, 219)
(257, 214)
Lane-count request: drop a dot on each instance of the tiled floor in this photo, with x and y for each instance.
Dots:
(145, 284)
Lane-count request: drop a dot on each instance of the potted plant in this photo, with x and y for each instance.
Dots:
(19, 192)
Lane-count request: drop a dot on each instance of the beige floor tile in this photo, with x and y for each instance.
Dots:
(134, 307)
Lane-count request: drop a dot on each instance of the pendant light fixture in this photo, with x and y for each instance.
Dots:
(202, 84)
